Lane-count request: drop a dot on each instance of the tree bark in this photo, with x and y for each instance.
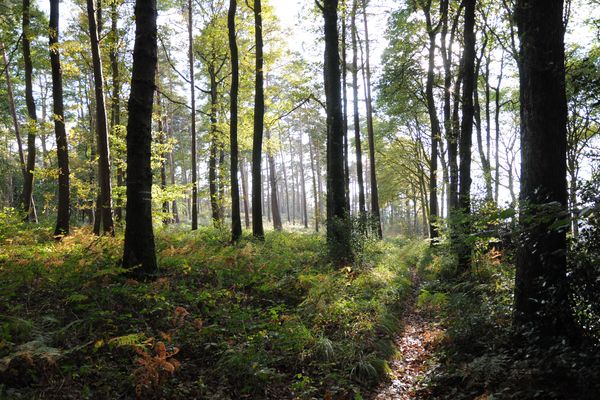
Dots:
(13, 112)
(259, 121)
(116, 92)
(303, 184)
(236, 218)
(193, 126)
(357, 141)
(245, 194)
(101, 127)
(62, 148)
(139, 248)
(314, 180)
(212, 161)
(466, 131)
(27, 196)
(541, 286)
(286, 187)
(375, 213)
(344, 45)
(273, 182)
(338, 229)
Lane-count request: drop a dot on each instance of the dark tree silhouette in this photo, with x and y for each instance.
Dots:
(338, 228)
(62, 148)
(236, 218)
(259, 123)
(541, 290)
(193, 111)
(139, 249)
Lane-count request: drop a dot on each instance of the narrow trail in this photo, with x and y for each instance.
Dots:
(416, 344)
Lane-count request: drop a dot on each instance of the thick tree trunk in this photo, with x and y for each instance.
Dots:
(259, 121)
(27, 196)
(62, 148)
(338, 229)
(357, 141)
(236, 218)
(139, 249)
(466, 131)
(541, 286)
(375, 223)
(193, 126)
(101, 127)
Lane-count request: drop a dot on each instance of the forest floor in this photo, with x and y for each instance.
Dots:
(258, 320)
(416, 344)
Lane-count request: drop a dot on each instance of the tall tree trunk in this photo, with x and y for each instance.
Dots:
(62, 148)
(466, 131)
(27, 196)
(303, 184)
(497, 130)
(13, 112)
(245, 193)
(344, 45)
(376, 223)
(314, 180)
(139, 248)
(259, 121)
(294, 181)
(435, 127)
(541, 286)
(161, 139)
(212, 161)
(174, 208)
(285, 181)
(116, 92)
(236, 218)
(357, 145)
(273, 181)
(193, 127)
(101, 126)
(338, 229)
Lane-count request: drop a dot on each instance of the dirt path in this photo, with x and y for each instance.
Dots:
(415, 345)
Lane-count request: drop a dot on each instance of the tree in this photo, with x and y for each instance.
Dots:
(376, 223)
(466, 131)
(62, 148)
(541, 287)
(193, 112)
(27, 197)
(236, 219)
(105, 211)
(139, 249)
(338, 229)
(259, 121)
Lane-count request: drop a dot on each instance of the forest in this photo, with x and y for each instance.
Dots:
(300, 199)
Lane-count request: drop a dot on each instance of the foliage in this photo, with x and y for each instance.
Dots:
(258, 320)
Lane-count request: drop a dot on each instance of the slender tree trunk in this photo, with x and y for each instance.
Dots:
(357, 141)
(245, 193)
(344, 45)
(303, 184)
(101, 126)
(212, 161)
(62, 148)
(193, 126)
(139, 248)
(435, 128)
(236, 219)
(161, 139)
(314, 180)
(338, 229)
(273, 182)
(259, 116)
(541, 285)
(376, 223)
(466, 131)
(27, 196)
(497, 131)
(116, 92)
(174, 208)
(13, 112)
(294, 181)
(285, 181)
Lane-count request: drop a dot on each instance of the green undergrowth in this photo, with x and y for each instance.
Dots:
(480, 357)
(254, 320)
